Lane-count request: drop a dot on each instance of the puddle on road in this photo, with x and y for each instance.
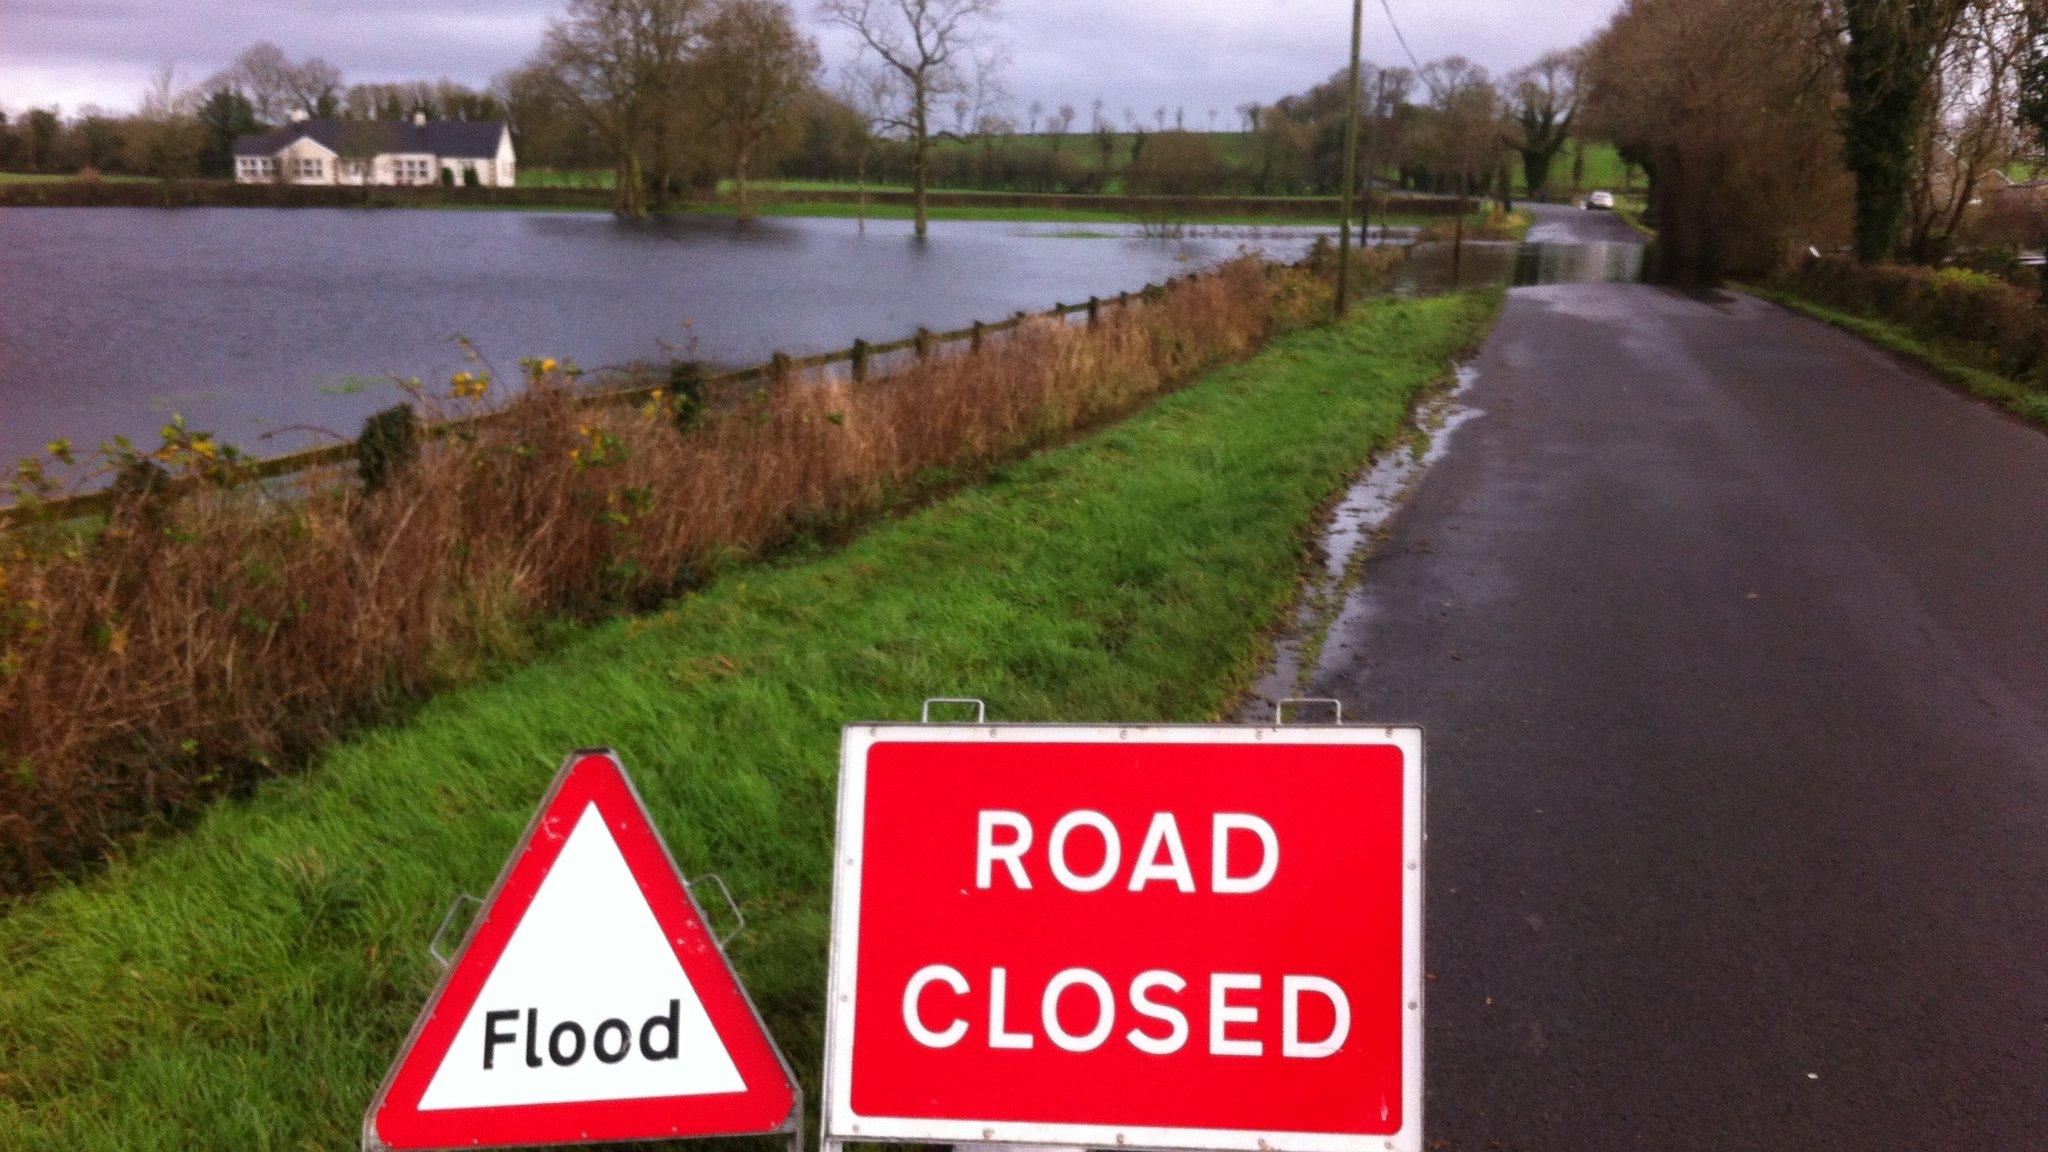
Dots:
(1326, 602)
(1429, 269)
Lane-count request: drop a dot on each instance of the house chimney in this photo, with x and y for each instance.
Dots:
(419, 119)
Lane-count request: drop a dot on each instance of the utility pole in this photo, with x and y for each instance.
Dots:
(1350, 160)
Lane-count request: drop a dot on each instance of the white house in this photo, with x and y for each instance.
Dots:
(379, 152)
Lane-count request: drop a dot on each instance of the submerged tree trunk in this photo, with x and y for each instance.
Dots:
(861, 182)
(629, 193)
(920, 156)
(739, 181)
(1458, 248)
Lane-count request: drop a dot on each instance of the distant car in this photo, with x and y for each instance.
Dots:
(1600, 202)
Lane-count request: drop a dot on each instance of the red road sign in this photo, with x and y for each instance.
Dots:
(589, 1002)
(1204, 938)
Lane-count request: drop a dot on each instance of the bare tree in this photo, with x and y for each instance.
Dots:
(929, 45)
(1973, 127)
(315, 87)
(1036, 110)
(1733, 108)
(264, 74)
(1544, 100)
(1062, 123)
(165, 136)
(869, 88)
(754, 67)
(1462, 138)
(619, 63)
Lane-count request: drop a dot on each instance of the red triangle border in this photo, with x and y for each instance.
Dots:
(768, 1104)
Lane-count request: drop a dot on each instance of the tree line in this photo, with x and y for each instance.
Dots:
(1885, 126)
(675, 97)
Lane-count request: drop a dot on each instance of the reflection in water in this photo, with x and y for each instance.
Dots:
(1432, 268)
(1598, 262)
(254, 322)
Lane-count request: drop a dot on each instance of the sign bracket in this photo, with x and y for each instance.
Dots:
(434, 946)
(980, 707)
(1280, 708)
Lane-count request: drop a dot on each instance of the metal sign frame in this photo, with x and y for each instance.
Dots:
(839, 1124)
(793, 1126)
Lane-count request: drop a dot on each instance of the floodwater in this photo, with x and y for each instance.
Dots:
(1431, 267)
(276, 329)
(1347, 538)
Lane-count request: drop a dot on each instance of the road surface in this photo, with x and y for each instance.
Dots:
(1730, 634)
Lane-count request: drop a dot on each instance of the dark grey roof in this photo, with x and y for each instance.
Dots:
(463, 139)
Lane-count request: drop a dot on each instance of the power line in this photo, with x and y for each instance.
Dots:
(1389, 7)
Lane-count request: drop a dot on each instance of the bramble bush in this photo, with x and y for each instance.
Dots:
(198, 641)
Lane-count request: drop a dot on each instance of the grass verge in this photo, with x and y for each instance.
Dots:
(2028, 403)
(243, 986)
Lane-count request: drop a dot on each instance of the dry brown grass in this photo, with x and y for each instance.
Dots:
(188, 650)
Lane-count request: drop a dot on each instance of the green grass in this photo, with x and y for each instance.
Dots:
(553, 178)
(1604, 166)
(1604, 169)
(2022, 400)
(64, 178)
(245, 984)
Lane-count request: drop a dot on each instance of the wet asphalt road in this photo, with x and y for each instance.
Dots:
(1730, 634)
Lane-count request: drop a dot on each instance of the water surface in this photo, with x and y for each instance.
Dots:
(271, 327)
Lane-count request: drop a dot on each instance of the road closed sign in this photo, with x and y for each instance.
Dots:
(590, 1002)
(1156, 937)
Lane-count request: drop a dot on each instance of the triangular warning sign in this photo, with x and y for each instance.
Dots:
(589, 1003)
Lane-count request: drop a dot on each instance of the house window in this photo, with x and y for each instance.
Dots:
(412, 170)
(309, 168)
(254, 167)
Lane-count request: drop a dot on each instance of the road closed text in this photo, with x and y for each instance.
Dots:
(1086, 852)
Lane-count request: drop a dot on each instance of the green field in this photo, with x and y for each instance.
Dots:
(243, 985)
(63, 177)
(1604, 167)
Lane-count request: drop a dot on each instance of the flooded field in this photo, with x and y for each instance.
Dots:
(279, 329)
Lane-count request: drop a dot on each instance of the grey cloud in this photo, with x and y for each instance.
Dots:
(1138, 53)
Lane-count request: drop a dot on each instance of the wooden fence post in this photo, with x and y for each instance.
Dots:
(974, 340)
(924, 343)
(778, 367)
(1094, 312)
(860, 361)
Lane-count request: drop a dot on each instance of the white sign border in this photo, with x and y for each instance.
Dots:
(841, 1123)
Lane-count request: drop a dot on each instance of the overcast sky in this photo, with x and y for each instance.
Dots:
(1141, 54)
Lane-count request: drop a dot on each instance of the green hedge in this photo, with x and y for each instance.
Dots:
(1991, 323)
